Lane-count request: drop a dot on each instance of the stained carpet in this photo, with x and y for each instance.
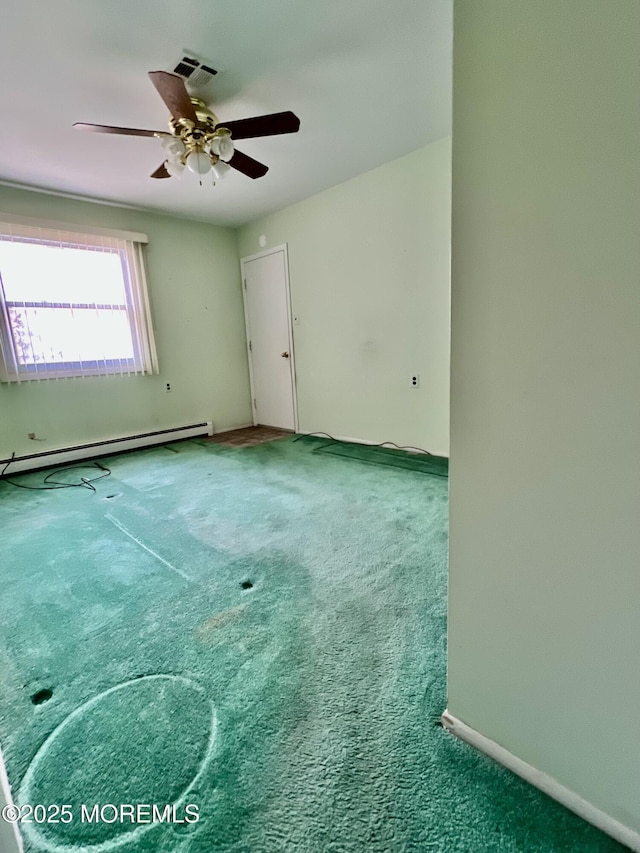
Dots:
(259, 633)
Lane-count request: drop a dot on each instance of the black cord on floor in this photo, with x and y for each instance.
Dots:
(48, 484)
(382, 444)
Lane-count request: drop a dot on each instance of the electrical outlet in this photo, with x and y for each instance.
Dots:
(31, 435)
(415, 380)
(167, 387)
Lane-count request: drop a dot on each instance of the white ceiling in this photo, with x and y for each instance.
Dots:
(369, 79)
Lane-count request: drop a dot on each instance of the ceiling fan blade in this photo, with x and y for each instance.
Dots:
(124, 131)
(161, 172)
(269, 125)
(174, 93)
(247, 165)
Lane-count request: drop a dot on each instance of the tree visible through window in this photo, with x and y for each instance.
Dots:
(72, 306)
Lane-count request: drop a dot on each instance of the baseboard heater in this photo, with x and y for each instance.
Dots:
(48, 458)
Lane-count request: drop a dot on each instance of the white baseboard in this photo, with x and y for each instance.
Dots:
(353, 440)
(346, 438)
(545, 783)
(367, 441)
(104, 447)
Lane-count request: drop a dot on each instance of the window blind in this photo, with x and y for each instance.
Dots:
(72, 303)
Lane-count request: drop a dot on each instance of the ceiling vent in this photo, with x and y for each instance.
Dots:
(196, 71)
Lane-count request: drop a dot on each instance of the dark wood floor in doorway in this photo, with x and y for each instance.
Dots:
(248, 436)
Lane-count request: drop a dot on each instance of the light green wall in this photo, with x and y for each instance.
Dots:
(196, 301)
(369, 266)
(545, 418)
(369, 269)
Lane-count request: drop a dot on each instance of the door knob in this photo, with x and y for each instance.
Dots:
(284, 355)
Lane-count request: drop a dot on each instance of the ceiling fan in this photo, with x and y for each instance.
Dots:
(197, 140)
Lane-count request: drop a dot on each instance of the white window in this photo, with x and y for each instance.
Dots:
(72, 304)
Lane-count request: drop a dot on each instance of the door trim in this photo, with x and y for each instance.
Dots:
(282, 248)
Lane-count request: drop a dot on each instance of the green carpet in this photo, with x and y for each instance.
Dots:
(259, 633)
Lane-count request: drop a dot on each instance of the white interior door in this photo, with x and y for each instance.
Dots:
(269, 338)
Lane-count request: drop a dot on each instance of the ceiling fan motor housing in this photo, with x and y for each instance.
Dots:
(197, 138)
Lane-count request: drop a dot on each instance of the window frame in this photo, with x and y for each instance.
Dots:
(128, 246)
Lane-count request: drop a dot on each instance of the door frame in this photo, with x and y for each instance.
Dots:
(247, 331)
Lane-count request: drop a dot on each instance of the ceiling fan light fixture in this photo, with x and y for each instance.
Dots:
(220, 170)
(174, 167)
(198, 162)
(222, 145)
(173, 148)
